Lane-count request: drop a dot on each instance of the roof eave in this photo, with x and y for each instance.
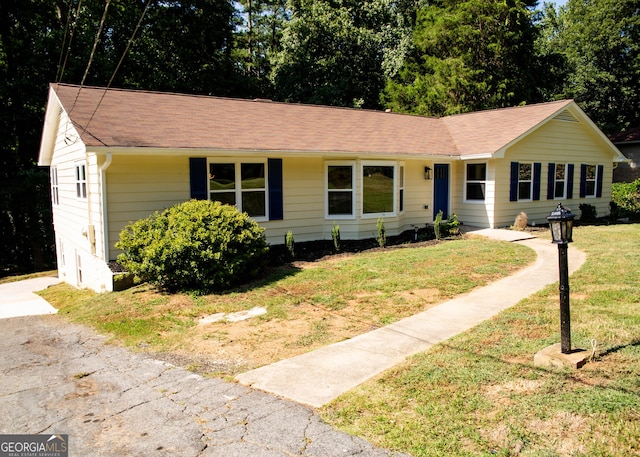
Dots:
(150, 150)
(49, 129)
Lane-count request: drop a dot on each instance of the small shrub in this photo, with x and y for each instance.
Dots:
(521, 221)
(453, 225)
(335, 235)
(446, 228)
(588, 213)
(437, 225)
(381, 238)
(290, 242)
(625, 198)
(196, 245)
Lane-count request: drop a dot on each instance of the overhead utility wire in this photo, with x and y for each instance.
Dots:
(126, 50)
(71, 34)
(93, 50)
(95, 42)
(64, 42)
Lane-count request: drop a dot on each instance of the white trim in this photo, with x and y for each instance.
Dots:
(354, 186)
(466, 182)
(595, 181)
(379, 163)
(238, 182)
(103, 203)
(82, 192)
(564, 190)
(530, 199)
(55, 186)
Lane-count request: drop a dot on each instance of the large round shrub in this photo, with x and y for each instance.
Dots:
(196, 245)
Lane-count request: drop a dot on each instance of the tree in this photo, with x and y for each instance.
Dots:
(29, 33)
(257, 39)
(600, 40)
(468, 55)
(335, 52)
(179, 46)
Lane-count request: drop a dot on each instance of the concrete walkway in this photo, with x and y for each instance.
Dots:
(320, 376)
(17, 298)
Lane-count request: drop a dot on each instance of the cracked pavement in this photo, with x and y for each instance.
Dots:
(62, 378)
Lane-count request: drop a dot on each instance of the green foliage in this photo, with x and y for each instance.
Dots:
(460, 394)
(468, 55)
(338, 52)
(588, 213)
(381, 237)
(196, 245)
(290, 243)
(335, 235)
(600, 40)
(625, 200)
(437, 225)
(443, 229)
(257, 39)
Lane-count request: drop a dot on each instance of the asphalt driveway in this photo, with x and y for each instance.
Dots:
(59, 378)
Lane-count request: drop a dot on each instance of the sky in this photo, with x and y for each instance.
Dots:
(557, 2)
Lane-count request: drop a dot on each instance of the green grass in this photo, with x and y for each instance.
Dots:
(479, 394)
(332, 299)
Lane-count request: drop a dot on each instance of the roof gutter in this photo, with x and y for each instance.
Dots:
(191, 152)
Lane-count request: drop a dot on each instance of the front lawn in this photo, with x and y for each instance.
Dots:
(308, 304)
(479, 394)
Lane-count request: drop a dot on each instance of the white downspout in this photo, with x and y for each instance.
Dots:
(103, 204)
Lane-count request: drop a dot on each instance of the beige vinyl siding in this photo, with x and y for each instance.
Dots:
(418, 192)
(74, 217)
(138, 186)
(302, 194)
(558, 141)
(473, 213)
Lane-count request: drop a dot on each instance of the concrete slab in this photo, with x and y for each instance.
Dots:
(552, 356)
(320, 376)
(498, 234)
(17, 298)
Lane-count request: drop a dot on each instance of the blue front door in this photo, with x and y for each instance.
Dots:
(441, 189)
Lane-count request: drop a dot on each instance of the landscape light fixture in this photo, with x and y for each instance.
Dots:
(561, 224)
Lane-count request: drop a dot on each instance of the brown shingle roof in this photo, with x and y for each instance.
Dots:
(485, 132)
(628, 136)
(138, 119)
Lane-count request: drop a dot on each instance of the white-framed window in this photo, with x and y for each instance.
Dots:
(525, 181)
(81, 181)
(560, 181)
(378, 188)
(79, 269)
(401, 188)
(475, 182)
(62, 257)
(243, 184)
(340, 182)
(590, 180)
(55, 192)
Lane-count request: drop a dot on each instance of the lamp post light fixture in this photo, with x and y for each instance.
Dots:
(561, 224)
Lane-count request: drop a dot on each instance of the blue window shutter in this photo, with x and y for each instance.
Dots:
(513, 188)
(583, 180)
(570, 169)
(537, 172)
(599, 181)
(551, 181)
(198, 177)
(276, 205)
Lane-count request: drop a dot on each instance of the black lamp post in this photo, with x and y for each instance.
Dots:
(561, 224)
